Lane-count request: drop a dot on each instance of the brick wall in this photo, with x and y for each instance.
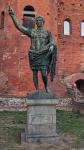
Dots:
(70, 52)
(15, 73)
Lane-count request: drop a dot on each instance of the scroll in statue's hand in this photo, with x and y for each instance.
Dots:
(11, 12)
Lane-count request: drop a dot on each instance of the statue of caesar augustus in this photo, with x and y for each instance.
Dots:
(42, 52)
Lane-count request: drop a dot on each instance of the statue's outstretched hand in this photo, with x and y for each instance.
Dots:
(11, 12)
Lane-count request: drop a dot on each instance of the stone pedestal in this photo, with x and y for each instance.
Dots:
(41, 122)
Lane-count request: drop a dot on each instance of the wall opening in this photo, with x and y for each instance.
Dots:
(82, 28)
(80, 85)
(29, 16)
(2, 16)
(67, 27)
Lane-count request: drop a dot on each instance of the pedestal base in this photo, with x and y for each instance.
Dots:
(40, 139)
(41, 122)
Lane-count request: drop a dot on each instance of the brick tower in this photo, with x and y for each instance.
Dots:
(65, 20)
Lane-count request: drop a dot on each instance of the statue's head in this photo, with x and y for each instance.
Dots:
(40, 21)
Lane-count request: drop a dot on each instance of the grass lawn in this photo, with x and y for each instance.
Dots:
(70, 127)
(70, 123)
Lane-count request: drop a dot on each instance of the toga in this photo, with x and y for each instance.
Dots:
(39, 55)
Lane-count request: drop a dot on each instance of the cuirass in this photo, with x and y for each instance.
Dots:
(39, 40)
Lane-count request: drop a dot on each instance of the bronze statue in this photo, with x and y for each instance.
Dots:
(42, 52)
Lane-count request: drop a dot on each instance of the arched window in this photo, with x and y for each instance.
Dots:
(29, 16)
(67, 27)
(2, 20)
(82, 28)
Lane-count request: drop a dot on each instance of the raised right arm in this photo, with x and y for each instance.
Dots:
(18, 25)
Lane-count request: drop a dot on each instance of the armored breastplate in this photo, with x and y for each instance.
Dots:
(39, 40)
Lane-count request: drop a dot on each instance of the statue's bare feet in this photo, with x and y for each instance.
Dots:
(47, 90)
(37, 92)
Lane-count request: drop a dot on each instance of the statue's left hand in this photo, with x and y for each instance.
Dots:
(51, 48)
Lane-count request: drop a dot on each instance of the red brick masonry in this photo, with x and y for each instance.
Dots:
(15, 73)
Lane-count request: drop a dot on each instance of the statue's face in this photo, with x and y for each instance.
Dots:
(39, 22)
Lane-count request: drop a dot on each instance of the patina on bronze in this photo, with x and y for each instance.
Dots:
(42, 52)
